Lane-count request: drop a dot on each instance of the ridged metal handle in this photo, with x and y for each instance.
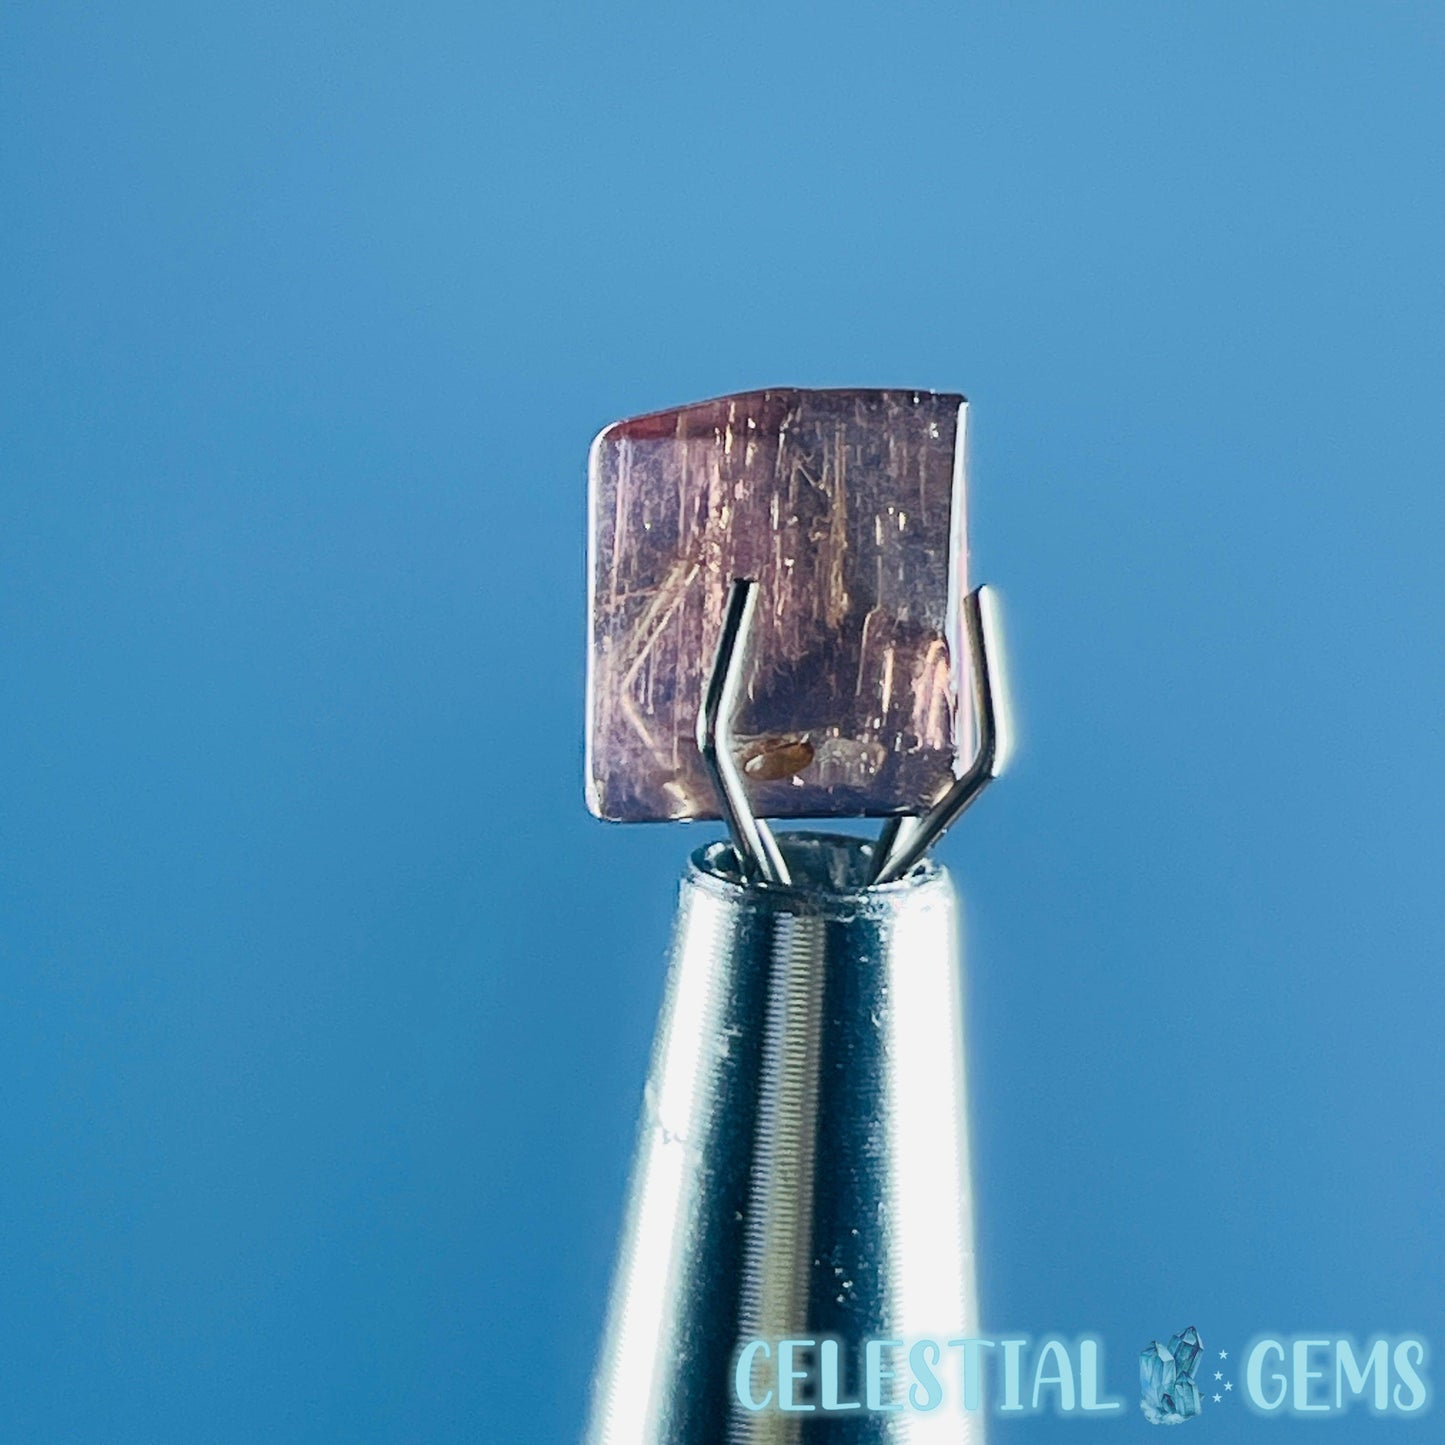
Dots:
(802, 1159)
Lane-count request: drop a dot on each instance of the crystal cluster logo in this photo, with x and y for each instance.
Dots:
(1168, 1394)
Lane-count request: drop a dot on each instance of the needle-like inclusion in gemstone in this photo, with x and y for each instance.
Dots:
(847, 507)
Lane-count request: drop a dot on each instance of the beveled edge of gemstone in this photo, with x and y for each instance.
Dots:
(652, 425)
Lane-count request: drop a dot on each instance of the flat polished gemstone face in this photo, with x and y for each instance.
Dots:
(847, 508)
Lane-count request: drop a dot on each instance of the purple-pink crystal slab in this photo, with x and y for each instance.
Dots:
(847, 507)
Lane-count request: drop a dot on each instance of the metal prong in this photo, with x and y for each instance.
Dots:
(894, 835)
(900, 848)
(753, 840)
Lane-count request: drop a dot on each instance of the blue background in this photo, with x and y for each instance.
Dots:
(326, 1005)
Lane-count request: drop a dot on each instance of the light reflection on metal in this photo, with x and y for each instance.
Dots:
(802, 1157)
(752, 838)
(901, 848)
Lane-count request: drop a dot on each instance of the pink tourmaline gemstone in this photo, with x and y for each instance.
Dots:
(848, 509)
